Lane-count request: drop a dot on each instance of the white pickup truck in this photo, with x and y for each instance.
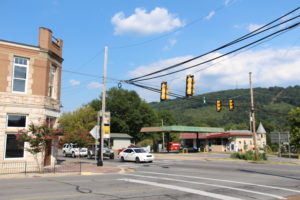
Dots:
(73, 150)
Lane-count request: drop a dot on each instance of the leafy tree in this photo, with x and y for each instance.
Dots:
(294, 121)
(37, 137)
(128, 112)
(166, 117)
(77, 124)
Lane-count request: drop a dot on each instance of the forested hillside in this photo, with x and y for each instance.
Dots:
(271, 106)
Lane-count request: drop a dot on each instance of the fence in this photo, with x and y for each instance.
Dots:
(31, 168)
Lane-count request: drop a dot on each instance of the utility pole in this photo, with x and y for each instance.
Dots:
(163, 135)
(289, 144)
(253, 118)
(279, 138)
(100, 153)
(97, 137)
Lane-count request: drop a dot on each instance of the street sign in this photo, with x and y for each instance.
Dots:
(106, 122)
(106, 132)
(95, 132)
(106, 119)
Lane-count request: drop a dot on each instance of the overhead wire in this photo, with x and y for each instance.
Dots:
(226, 58)
(251, 34)
(217, 57)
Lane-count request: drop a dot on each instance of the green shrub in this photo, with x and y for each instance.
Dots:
(145, 142)
(249, 155)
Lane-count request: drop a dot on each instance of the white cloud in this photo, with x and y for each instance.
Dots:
(253, 27)
(227, 2)
(94, 85)
(74, 82)
(269, 67)
(210, 15)
(170, 45)
(156, 21)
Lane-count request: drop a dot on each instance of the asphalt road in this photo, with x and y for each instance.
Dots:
(165, 179)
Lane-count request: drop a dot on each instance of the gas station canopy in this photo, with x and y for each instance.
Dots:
(185, 129)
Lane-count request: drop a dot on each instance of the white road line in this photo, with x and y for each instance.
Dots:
(183, 189)
(213, 185)
(221, 180)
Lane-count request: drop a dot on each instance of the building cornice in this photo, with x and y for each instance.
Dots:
(20, 45)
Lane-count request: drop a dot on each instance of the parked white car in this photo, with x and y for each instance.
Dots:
(136, 154)
(73, 150)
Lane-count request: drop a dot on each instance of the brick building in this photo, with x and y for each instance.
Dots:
(30, 79)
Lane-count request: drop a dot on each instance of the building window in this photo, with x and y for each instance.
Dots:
(16, 121)
(14, 147)
(50, 121)
(20, 74)
(52, 81)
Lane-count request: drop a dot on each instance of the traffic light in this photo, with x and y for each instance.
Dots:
(231, 105)
(219, 105)
(190, 86)
(164, 91)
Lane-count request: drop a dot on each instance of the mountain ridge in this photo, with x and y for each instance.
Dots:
(271, 106)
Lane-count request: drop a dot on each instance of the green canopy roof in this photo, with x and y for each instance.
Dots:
(181, 129)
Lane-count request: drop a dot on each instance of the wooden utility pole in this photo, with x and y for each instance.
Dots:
(253, 118)
(100, 153)
(163, 135)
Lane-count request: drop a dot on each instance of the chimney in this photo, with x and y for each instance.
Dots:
(50, 43)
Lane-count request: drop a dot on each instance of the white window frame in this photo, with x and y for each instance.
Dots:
(5, 144)
(13, 74)
(52, 81)
(12, 127)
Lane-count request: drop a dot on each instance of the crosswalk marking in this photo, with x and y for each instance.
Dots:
(214, 185)
(222, 180)
(183, 189)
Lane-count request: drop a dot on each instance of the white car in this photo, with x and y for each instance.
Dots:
(136, 154)
(74, 151)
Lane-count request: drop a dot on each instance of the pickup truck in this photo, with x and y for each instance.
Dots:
(73, 150)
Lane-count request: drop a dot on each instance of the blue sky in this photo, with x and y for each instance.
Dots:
(146, 35)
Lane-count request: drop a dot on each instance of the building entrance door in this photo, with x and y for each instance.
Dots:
(47, 159)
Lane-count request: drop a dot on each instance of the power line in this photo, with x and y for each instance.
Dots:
(215, 58)
(251, 34)
(237, 53)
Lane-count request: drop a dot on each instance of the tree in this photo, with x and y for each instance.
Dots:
(77, 124)
(128, 112)
(37, 137)
(294, 122)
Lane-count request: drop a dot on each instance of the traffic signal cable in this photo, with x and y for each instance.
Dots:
(244, 37)
(223, 55)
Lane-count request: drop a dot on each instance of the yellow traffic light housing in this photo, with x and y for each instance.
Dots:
(164, 91)
(231, 105)
(190, 86)
(219, 105)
